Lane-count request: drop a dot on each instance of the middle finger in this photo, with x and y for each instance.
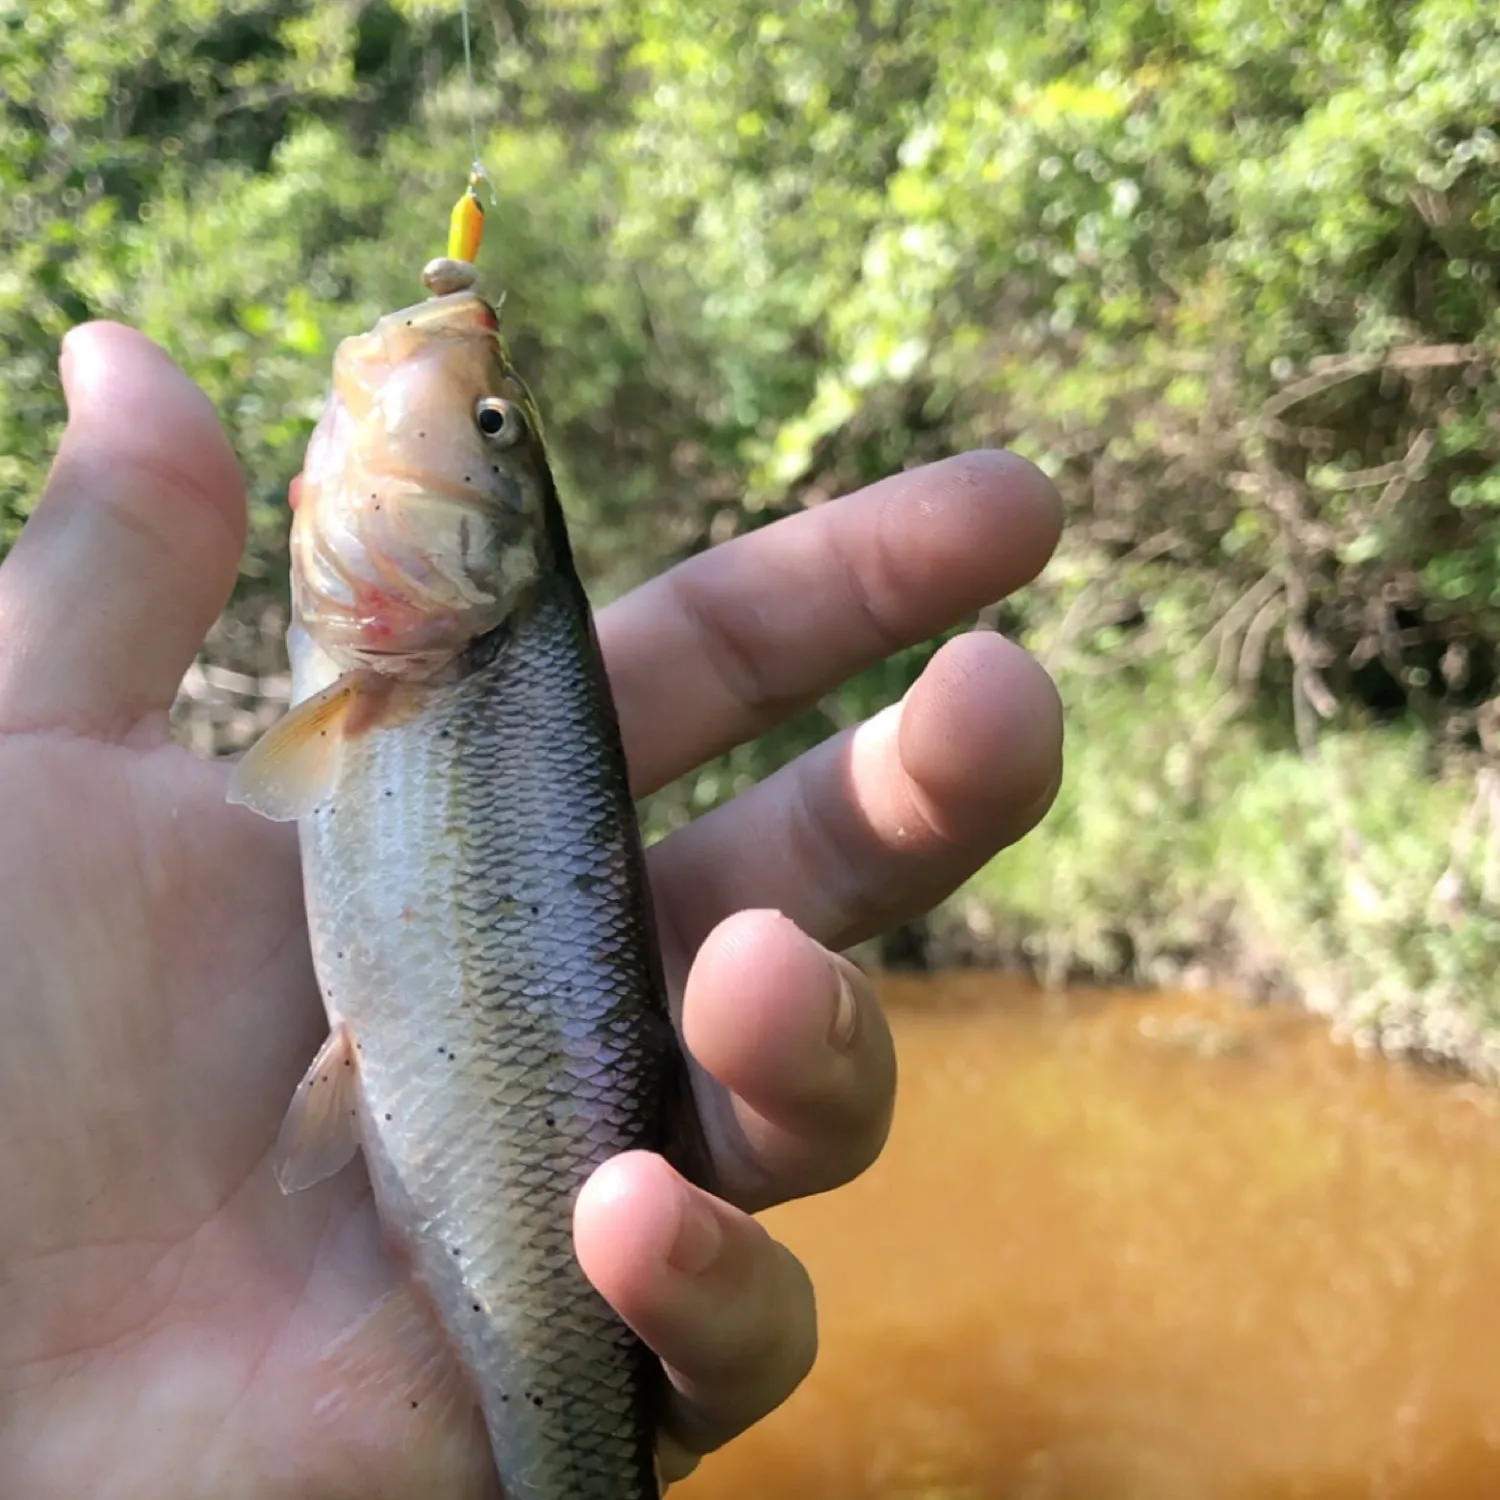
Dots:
(880, 822)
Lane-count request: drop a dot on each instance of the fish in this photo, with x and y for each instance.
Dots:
(476, 891)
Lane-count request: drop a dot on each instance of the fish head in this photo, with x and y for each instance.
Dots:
(420, 515)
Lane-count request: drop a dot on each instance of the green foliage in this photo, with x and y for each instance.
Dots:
(1226, 268)
(1179, 829)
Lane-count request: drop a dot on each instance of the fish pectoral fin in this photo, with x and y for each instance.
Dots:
(320, 1133)
(291, 768)
(395, 1361)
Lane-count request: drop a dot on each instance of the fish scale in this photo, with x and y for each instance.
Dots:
(486, 936)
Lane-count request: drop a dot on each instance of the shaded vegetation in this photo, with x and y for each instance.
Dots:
(1228, 269)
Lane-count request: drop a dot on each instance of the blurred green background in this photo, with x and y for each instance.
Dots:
(1229, 270)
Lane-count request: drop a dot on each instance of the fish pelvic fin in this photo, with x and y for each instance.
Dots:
(320, 1133)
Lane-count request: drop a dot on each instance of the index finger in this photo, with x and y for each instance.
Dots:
(738, 639)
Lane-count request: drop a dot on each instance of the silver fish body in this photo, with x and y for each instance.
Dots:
(475, 887)
(481, 926)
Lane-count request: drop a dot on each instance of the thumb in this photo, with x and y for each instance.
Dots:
(132, 549)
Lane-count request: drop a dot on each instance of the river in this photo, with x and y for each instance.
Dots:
(1146, 1247)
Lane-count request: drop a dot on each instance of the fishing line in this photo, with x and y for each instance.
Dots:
(466, 222)
(476, 166)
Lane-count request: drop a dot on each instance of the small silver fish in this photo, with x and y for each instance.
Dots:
(475, 886)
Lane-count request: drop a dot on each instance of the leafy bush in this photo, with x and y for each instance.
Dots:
(1226, 268)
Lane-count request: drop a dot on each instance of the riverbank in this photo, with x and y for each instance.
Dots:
(1190, 846)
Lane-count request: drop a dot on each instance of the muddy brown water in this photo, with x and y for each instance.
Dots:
(1146, 1248)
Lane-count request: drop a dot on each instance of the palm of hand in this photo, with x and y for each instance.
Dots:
(155, 1281)
(164, 1310)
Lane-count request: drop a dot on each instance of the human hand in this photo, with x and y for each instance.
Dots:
(163, 1307)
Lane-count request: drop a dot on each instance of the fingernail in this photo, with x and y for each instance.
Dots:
(845, 1015)
(699, 1237)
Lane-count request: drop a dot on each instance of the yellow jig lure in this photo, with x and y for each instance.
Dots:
(466, 224)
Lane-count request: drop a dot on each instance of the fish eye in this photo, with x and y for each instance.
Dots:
(500, 421)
